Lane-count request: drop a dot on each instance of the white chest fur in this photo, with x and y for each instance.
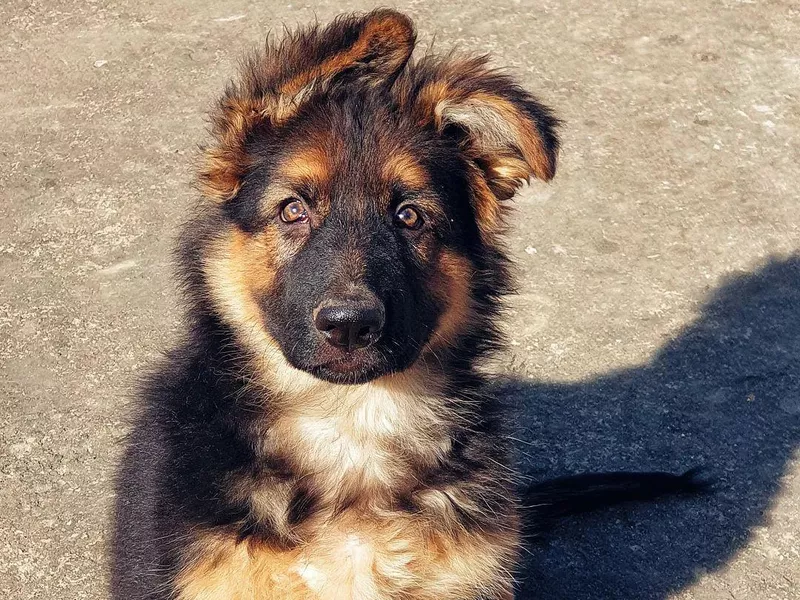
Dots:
(359, 438)
(361, 443)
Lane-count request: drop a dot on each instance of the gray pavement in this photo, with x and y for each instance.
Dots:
(658, 320)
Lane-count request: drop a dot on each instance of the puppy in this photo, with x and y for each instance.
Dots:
(322, 431)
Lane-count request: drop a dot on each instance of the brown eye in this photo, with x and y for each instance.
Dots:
(408, 217)
(294, 212)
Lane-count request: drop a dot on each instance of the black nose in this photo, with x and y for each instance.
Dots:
(350, 322)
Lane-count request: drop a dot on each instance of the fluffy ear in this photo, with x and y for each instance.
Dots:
(372, 48)
(506, 132)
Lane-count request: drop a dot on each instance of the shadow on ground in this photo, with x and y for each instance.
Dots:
(725, 394)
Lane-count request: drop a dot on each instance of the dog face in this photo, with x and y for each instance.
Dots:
(357, 200)
(368, 235)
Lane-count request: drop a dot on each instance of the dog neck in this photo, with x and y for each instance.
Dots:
(373, 440)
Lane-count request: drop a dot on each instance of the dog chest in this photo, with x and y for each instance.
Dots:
(354, 558)
(361, 440)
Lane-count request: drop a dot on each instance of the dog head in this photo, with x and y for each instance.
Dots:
(356, 200)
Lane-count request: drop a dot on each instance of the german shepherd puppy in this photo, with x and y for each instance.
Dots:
(323, 432)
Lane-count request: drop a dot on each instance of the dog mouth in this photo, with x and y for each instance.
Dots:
(357, 366)
(348, 372)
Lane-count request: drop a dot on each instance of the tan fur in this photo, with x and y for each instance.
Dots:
(453, 277)
(402, 167)
(498, 125)
(232, 269)
(489, 211)
(308, 164)
(225, 163)
(494, 123)
(238, 267)
(390, 34)
(355, 556)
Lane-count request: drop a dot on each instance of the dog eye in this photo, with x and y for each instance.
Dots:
(408, 217)
(293, 211)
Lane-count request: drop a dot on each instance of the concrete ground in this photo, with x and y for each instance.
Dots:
(658, 320)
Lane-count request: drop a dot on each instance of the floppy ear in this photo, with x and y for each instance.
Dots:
(274, 83)
(506, 133)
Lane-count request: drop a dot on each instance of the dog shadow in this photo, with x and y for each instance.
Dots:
(724, 394)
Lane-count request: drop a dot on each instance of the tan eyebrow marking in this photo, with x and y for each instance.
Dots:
(304, 173)
(309, 163)
(404, 168)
